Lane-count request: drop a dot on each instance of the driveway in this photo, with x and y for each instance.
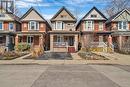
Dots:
(64, 76)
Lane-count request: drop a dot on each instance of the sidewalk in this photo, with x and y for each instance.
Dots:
(115, 58)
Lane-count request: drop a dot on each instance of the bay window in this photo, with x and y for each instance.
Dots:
(33, 25)
(122, 25)
(89, 25)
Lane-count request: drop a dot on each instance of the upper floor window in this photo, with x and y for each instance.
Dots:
(100, 25)
(1, 25)
(11, 26)
(122, 25)
(93, 16)
(33, 25)
(89, 25)
(59, 25)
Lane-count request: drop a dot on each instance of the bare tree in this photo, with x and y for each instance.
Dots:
(115, 6)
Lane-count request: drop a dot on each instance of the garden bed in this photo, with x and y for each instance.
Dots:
(91, 56)
(11, 55)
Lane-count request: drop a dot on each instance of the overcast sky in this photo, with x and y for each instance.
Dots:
(48, 8)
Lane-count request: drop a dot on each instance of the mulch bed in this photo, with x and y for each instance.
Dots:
(91, 56)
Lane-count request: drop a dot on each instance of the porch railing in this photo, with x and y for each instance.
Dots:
(60, 44)
(99, 44)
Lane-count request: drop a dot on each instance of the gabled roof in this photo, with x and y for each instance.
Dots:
(117, 15)
(32, 9)
(94, 8)
(13, 16)
(63, 8)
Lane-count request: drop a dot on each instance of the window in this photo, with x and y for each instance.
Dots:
(33, 25)
(89, 25)
(11, 26)
(63, 16)
(93, 16)
(1, 39)
(1, 25)
(30, 39)
(122, 25)
(59, 25)
(100, 25)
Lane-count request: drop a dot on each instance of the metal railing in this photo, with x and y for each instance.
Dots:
(60, 44)
(99, 44)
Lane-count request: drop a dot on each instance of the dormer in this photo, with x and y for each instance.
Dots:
(63, 20)
(120, 21)
(94, 20)
(33, 21)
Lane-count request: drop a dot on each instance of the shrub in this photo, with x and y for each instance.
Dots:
(22, 47)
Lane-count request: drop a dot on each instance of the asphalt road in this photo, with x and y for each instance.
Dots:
(64, 76)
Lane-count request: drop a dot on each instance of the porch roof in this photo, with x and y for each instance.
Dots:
(7, 33)
(97, 32)
(30, 33)
(64, 32)
(122, 33)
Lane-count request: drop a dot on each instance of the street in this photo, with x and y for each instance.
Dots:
(64, 76)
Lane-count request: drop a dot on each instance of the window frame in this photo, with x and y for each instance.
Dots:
(9, 26)
(36, 27)
(61, 25)
(89, 25)
(2, 25)
(121, 25)
(100, 24)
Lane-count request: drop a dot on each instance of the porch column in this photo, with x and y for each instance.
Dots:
(120, 42)
(83, 41)
(41, 41)
(109, 39)
(16, 40)
(76, 42)
(7, 42)
(51, 42)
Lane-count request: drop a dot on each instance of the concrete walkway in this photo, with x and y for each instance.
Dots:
(115, 58)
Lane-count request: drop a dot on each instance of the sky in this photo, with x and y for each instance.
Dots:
(48, 8)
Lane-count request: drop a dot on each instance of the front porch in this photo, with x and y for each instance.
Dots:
(64, 43)
(34, 40)
(6, 42)
(97, 42)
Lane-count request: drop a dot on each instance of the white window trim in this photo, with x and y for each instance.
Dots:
(28, 38)
(100, 26)
(61, 25)
(92, 26)
(122, 26)
(2, 26)
(29, 25)
(13, 26)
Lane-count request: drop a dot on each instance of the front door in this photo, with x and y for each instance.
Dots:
(30, 40)
(71, 41)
